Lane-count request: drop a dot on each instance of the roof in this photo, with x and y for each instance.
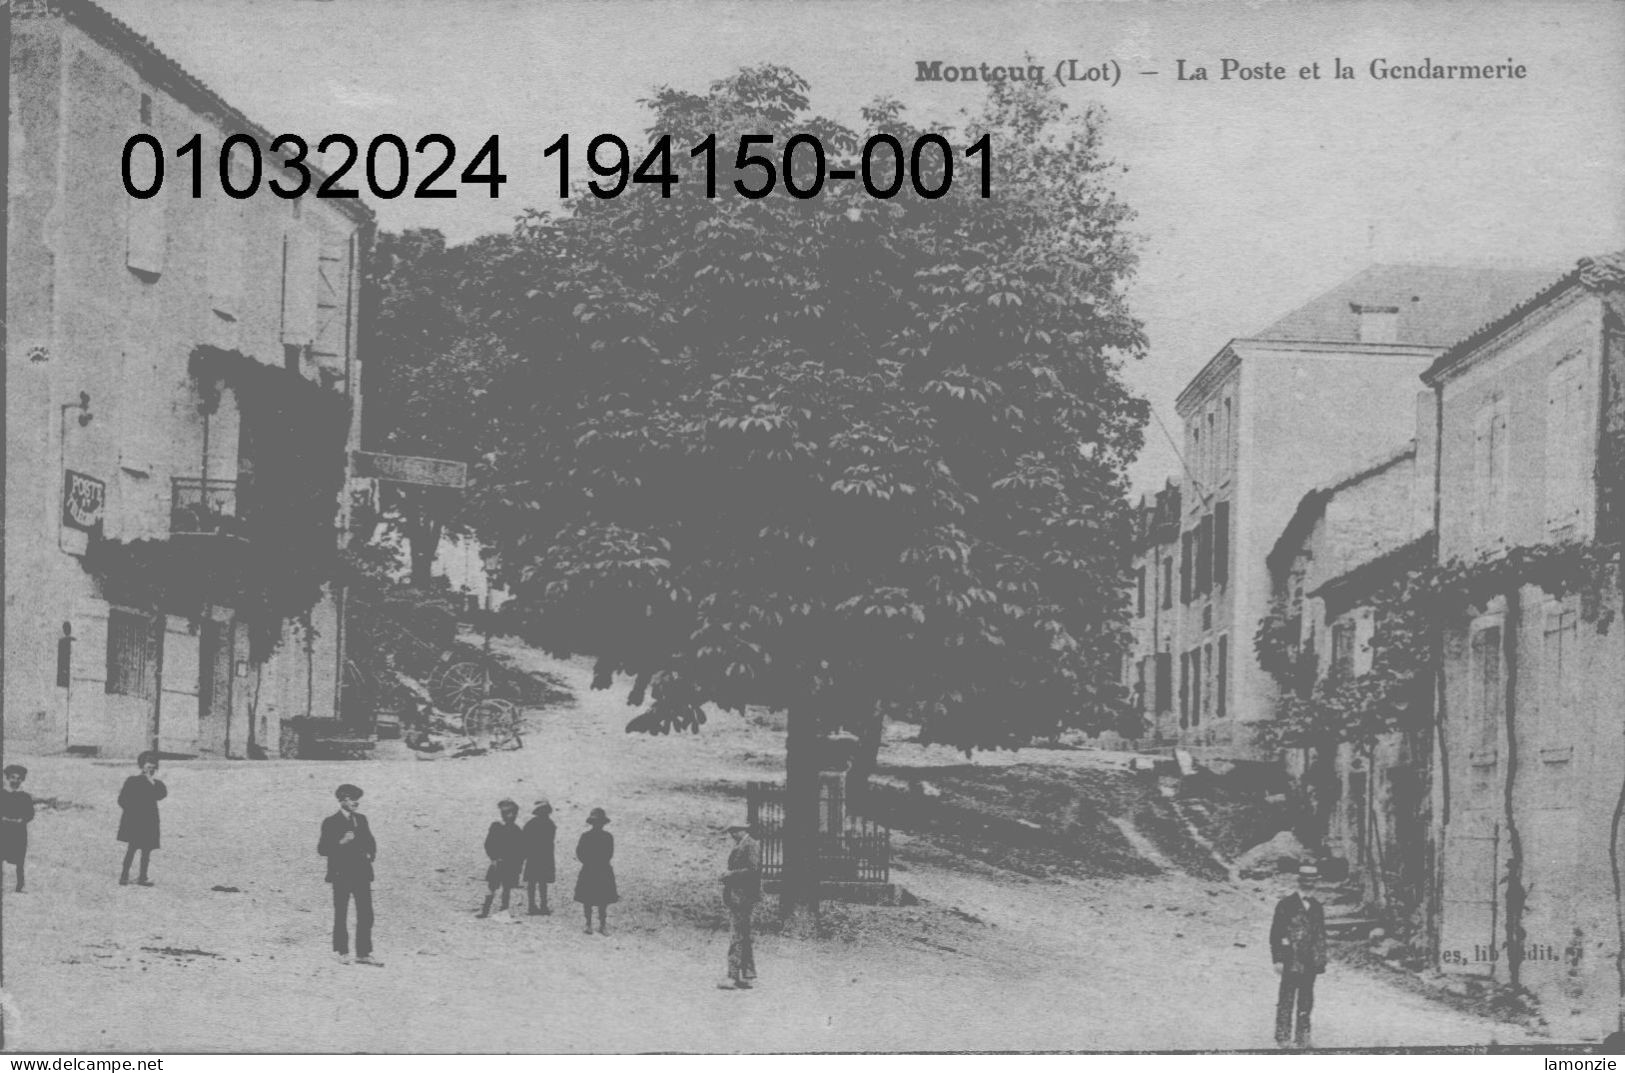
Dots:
(1437, 304)
(1604, 273)
(1314, 502)
(162, 71)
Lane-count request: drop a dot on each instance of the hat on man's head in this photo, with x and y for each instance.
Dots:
(598, 816)
(347, 790)
(16, 769)
(507, 803)
(1308, 871)
(542, 803)
(147, 757)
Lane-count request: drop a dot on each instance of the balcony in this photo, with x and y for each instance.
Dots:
(199, 507)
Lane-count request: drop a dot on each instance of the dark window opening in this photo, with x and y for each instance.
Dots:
(1222, 677)
(1221, 544)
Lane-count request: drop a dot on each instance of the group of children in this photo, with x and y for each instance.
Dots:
(525, 855)
(518, 854)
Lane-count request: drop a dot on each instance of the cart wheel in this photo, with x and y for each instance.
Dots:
(490, 721)
(459, 685)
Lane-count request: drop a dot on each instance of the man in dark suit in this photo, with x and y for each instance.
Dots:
(1298, 947)
(348, 845)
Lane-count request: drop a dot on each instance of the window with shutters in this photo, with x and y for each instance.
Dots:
(1139, 595)
(1491, 459)
(1571, 423)
(1184, 689)
(1204, 556)
(225, 258)
(1142, 699)
(1212, 442)
(1168, 583)
(1486, 696)
(1185, 542)
(1558, 674)
(1221, 677)
(1207, 681)
(301, 274)
(1196, 686)
(1343, 648)
(1221, 543)
(1164, 671)
(146, 235)
(132, 654)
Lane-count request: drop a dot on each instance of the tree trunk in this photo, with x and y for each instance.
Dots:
(798, 900)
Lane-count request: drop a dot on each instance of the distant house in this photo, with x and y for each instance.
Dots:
(1148, 671)
(1529, 441)
(1349, 543)
(1267, 419)
(174, 364)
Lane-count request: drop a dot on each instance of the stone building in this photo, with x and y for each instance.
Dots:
(1149, 663)
(1528, 428)
(183, 388)
(1271, 417)
(1348, 543)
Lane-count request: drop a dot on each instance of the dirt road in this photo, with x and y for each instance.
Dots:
(990, 960)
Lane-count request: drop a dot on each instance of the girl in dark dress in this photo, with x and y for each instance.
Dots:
(16, 813)
(540, 870)
(505, 845)
(596, 884)
(138, 826)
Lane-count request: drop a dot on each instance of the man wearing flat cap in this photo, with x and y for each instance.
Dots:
(1298, 948)
(741, 890)
(348, 845)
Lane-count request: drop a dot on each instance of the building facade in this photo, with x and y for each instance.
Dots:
(1530, 769)
(1149, 668)
(1271, 417)
(137, 415)
(1365, 787)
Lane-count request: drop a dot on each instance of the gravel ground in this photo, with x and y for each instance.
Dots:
(990, 960)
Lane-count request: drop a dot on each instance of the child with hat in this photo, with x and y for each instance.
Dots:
(596, 884)
(540, 835)
(505, 845)
(16, 813)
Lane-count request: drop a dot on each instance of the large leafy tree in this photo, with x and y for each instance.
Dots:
(838, 455)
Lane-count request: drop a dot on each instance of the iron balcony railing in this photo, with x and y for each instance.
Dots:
(199, 507)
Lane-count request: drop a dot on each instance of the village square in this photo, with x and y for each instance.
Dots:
(756, 615)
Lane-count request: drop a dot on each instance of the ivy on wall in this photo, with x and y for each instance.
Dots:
(294, 443)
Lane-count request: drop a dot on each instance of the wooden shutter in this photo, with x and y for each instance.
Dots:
(1221, 543)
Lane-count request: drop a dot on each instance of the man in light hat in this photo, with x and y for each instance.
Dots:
(348, 845)
(1298, 948)
(741, 890)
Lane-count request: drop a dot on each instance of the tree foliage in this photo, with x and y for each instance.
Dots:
(838, 455)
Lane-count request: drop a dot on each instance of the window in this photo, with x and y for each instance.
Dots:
(1571, 423)
(1185, 541)
(1204, 556)
(64, 658)
(225, 260)
(1491, 455)
(1207, 680)
(1343, 648)
(145, 225)
(1168, 583)
(1559, 672)
(1221, 677)
(1221, 543)
(301, 277)
(1485, 694)
(146, 110)
(132, 654)
(1227, 436)
(1185, 688)
(1139, 594)
(1164, 671)
(1142, 699)
(1196, 451)
(1196, 686)
(1212, 459)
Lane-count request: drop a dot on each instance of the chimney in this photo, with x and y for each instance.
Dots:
(1378, 324)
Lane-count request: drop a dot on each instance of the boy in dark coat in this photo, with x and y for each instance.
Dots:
(596, 884)
(1298, 947)
(16, 813)
(540, 870)
(505, 845)
(138, 826)
(350, 849)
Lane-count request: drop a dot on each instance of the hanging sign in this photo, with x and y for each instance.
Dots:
(410, 469)
(84, 502)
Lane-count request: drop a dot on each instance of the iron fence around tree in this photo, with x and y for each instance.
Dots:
(850, 849)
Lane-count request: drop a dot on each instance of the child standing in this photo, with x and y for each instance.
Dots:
(540, 834)
(596, 884)
(138, 826)
(16, 813)
(505, 845)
